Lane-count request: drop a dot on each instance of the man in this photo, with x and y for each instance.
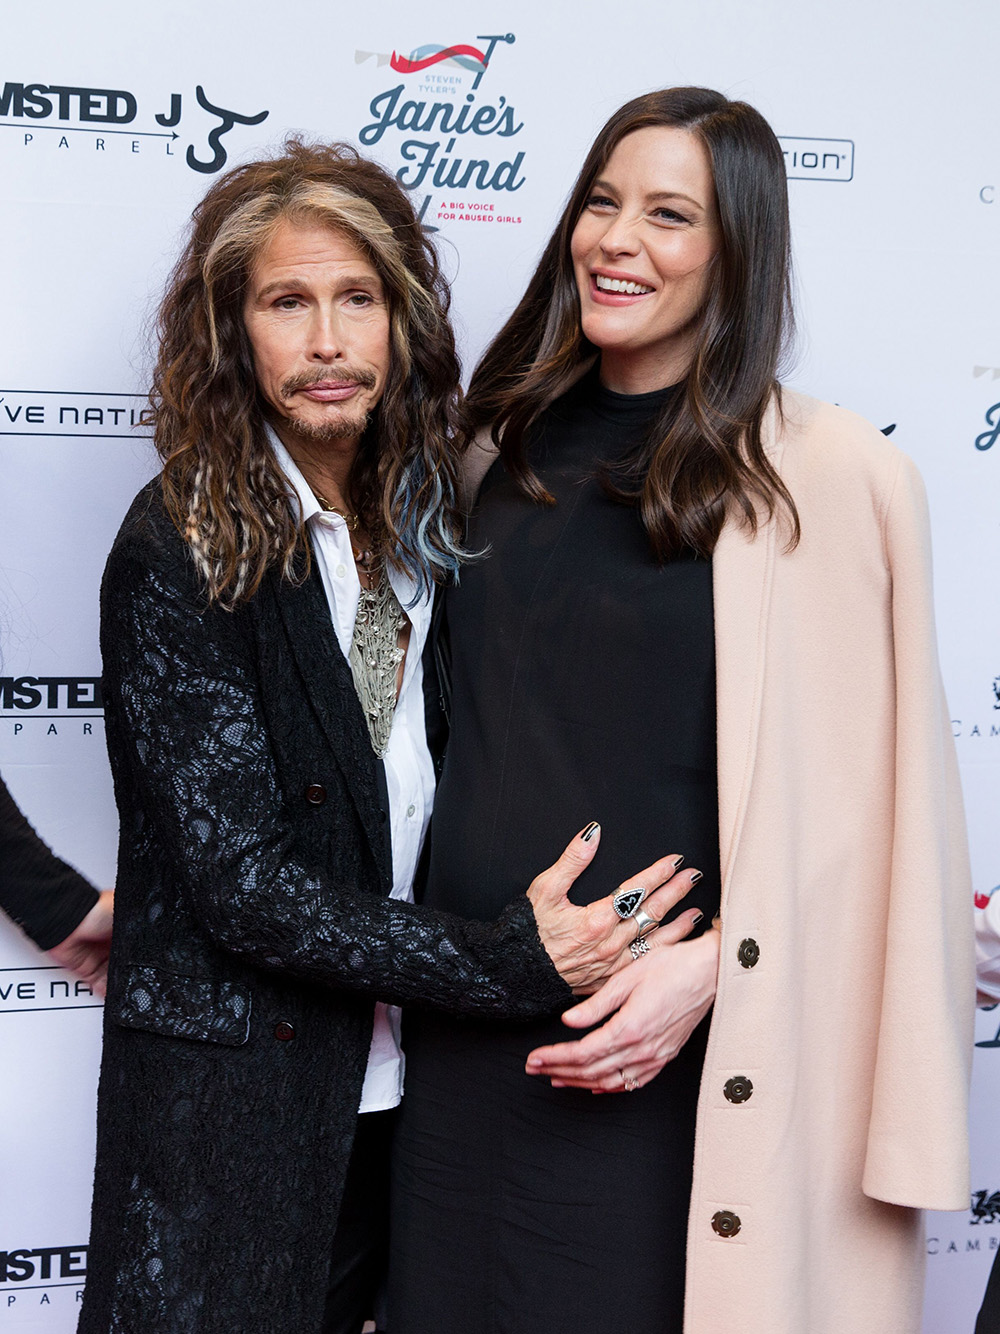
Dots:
(264, 614)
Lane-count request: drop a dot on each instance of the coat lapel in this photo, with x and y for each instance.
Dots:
(330, 692)
(742, 571)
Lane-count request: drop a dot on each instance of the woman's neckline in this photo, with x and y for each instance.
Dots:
(610, 403)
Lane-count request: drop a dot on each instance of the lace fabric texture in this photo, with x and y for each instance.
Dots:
(252, 934)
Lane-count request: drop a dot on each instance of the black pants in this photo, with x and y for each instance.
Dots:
(361, 1245)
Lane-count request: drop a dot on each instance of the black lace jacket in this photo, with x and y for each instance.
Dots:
(253, 932)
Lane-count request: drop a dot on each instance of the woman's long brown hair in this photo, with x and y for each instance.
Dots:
(222, 486)
(704, 455)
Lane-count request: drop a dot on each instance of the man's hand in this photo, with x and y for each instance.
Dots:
(85, 950)
(656, 1004)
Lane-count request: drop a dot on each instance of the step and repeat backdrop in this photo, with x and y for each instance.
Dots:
(114, 119)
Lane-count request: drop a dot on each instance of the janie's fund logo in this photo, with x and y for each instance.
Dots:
(448, 140)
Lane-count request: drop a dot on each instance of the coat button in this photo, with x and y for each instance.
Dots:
(315, 794)
(284, 1031)
(749, 953)
(738, 1089)
(726, 1223)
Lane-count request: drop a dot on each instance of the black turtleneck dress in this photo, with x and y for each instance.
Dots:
(583, 689)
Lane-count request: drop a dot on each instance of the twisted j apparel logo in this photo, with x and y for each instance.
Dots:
(41, 114)
(426, 115)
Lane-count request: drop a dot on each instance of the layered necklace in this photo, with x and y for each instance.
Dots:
(375, 653)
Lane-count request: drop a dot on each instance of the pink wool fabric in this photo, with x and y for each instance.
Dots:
(844, 858)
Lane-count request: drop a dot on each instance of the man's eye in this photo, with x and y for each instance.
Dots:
(287, 302)
(361, 299)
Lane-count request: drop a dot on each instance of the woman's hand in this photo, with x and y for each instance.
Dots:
(85, 950)
(587, 945)
(656, 1005)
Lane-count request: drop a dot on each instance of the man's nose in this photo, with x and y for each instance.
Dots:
(326, 336)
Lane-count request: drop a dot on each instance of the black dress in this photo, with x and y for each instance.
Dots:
(584, 688)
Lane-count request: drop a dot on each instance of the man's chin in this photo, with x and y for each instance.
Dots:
(325, 431)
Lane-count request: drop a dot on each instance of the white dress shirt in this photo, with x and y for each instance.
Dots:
(409, 771)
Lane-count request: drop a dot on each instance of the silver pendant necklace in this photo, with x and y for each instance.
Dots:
(375, 656)
(375, 653)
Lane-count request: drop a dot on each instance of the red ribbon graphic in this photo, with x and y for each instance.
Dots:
(404, 66)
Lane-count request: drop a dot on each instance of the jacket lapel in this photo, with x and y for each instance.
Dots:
(329, 688)
(742, 572)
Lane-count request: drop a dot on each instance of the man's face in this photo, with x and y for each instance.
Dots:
(318, 321)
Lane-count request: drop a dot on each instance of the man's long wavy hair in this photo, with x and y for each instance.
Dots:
(221, 483)
(704, 454)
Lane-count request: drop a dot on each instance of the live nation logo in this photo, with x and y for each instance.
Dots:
(43, 987)
(817, 159)
(46, 412)
(457, 146)
(68, 118)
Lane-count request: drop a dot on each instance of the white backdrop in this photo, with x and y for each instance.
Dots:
(114, 118)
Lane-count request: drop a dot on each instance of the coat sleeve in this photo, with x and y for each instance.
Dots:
(44, 896)
(988, 951)
(924, 1054)
(189, 741)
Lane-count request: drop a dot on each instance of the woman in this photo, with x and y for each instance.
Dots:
(52, 903)
(679, 550)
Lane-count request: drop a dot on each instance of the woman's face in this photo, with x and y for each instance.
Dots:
(642, 254)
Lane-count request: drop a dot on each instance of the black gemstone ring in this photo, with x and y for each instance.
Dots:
(626, 901)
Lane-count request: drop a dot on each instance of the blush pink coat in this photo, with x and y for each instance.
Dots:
(844, 859)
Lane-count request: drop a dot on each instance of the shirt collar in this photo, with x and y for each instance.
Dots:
(297, 484)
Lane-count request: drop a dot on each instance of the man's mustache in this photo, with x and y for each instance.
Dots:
(364, 378)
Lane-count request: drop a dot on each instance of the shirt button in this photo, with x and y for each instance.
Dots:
(340, 571)
(749, 953)
(738, 1089)
(725, 1223)
(315, 794)
(411, 811)
(284, 1031)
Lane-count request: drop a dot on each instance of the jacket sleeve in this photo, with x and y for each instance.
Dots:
(988, 951)
(44, 896)
(187, 729)
(924, 1052)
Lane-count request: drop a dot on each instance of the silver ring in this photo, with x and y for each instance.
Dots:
(644, 923)
(626, 901)
(638, 947)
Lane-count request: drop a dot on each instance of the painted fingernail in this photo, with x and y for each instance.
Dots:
(695, 877)
(590, 831)
(677, 862)
(696, 920)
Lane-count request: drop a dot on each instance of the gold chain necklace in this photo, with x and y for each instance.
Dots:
(364, 557)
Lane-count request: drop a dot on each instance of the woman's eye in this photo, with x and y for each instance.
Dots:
(600, 201)
(668, 215)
